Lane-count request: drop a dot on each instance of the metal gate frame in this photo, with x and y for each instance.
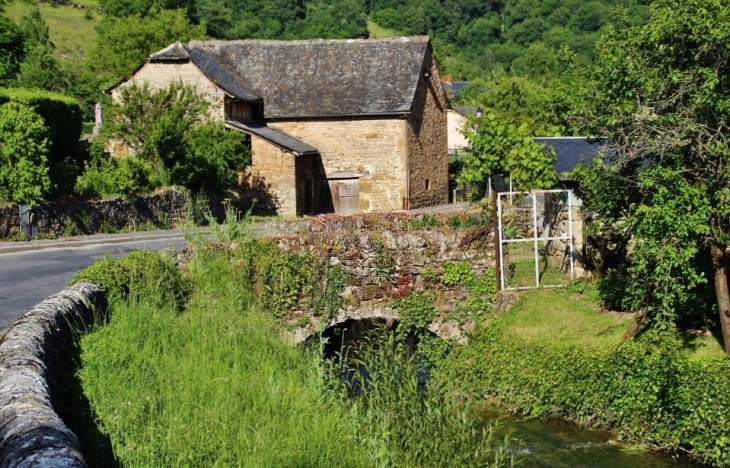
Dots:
(535, 239)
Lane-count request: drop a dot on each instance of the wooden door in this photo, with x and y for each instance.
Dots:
(345, 195)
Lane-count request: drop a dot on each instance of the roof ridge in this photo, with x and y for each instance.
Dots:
(423, 38)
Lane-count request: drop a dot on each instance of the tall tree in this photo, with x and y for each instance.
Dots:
(39, 69)
(663, 99)
(12, 50)
(124, 43)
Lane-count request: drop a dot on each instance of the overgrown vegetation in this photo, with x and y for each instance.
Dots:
(556, 355)
(217, 385)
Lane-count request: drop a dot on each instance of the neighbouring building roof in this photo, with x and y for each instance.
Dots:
(312, 78)
(277, 137)
(467, 111)
(452, 88)
(574, 151)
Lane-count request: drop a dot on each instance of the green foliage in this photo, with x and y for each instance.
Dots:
(61, 115)
(464, 222)
(457, 274)
(39, 68)
(23, 154)
(424, 222)
(145, 8)
(147, 373)
(164, 128)
(140, 274)
(335, 19)
(497, 148)
(326, 292)
(236, 227)
(124, 43)
(646, 389)
(213, 158)
(403, 424)
(106, 176)
(416, 312)
(12, 51)
(483, 292)
(663, 102)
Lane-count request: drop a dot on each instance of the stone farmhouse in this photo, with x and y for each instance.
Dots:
(340, 126)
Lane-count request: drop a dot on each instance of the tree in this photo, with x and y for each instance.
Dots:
(124, 43)
(12, 51)
(341, 19)
(169, 128)
(39, 69)
(663, 99)
(23, 154)
(497, 148)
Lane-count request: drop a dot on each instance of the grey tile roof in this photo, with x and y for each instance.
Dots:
(279, 138)
(467, 110)
(319, 78)
(574, 151)
(209, 65)
(453, 88)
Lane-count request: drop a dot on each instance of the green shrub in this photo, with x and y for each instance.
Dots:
(23, 154)
(457, 274)
(139, 273)
(106, 176)
(646, 389)
(61, 114)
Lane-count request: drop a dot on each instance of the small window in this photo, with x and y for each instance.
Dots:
(428, 184)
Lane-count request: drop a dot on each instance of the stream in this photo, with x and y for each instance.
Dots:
(559, 444)
(538, 443)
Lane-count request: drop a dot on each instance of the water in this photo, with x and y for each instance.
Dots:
(560, 444)
(536, 443)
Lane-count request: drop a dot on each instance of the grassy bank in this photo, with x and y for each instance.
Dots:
(72, 30)
(556, 355)
(193, 370)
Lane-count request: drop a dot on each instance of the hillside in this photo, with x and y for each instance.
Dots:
(72, 29)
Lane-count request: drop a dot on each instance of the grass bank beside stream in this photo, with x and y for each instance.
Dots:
(193, 371)
(556, 355)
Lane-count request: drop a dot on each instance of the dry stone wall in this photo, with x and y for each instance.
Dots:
(71, 217)
(31, 433)
(371, 247)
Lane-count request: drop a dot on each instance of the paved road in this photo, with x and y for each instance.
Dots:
(26, 278)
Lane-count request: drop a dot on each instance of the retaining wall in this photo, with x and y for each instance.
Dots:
(32, 351)
(72, 217)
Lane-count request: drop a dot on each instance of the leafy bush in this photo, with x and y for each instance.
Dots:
(110, 176)
(61, 115)
(23, 154)
(457, 274)
(139, 273)
(646, 389)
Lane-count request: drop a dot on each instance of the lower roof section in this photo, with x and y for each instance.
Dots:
(275, 137)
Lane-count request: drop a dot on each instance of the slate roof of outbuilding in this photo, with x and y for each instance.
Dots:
(313, 78)
(571, 152)
(277, 137)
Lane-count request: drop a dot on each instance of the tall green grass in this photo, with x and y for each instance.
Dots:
(200, 375)
(213, 386)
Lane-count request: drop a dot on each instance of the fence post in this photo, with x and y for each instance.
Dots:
(497, 240)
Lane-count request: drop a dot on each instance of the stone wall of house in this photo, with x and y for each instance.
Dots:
(428, 156)
(165, 209)
(271, 177)
(372, 146)
(160, 75)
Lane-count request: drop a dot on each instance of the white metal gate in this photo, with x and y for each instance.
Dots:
(547, 243)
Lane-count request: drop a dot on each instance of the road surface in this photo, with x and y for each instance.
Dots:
(26, 278)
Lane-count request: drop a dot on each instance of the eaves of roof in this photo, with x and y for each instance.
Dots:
(276, 137)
